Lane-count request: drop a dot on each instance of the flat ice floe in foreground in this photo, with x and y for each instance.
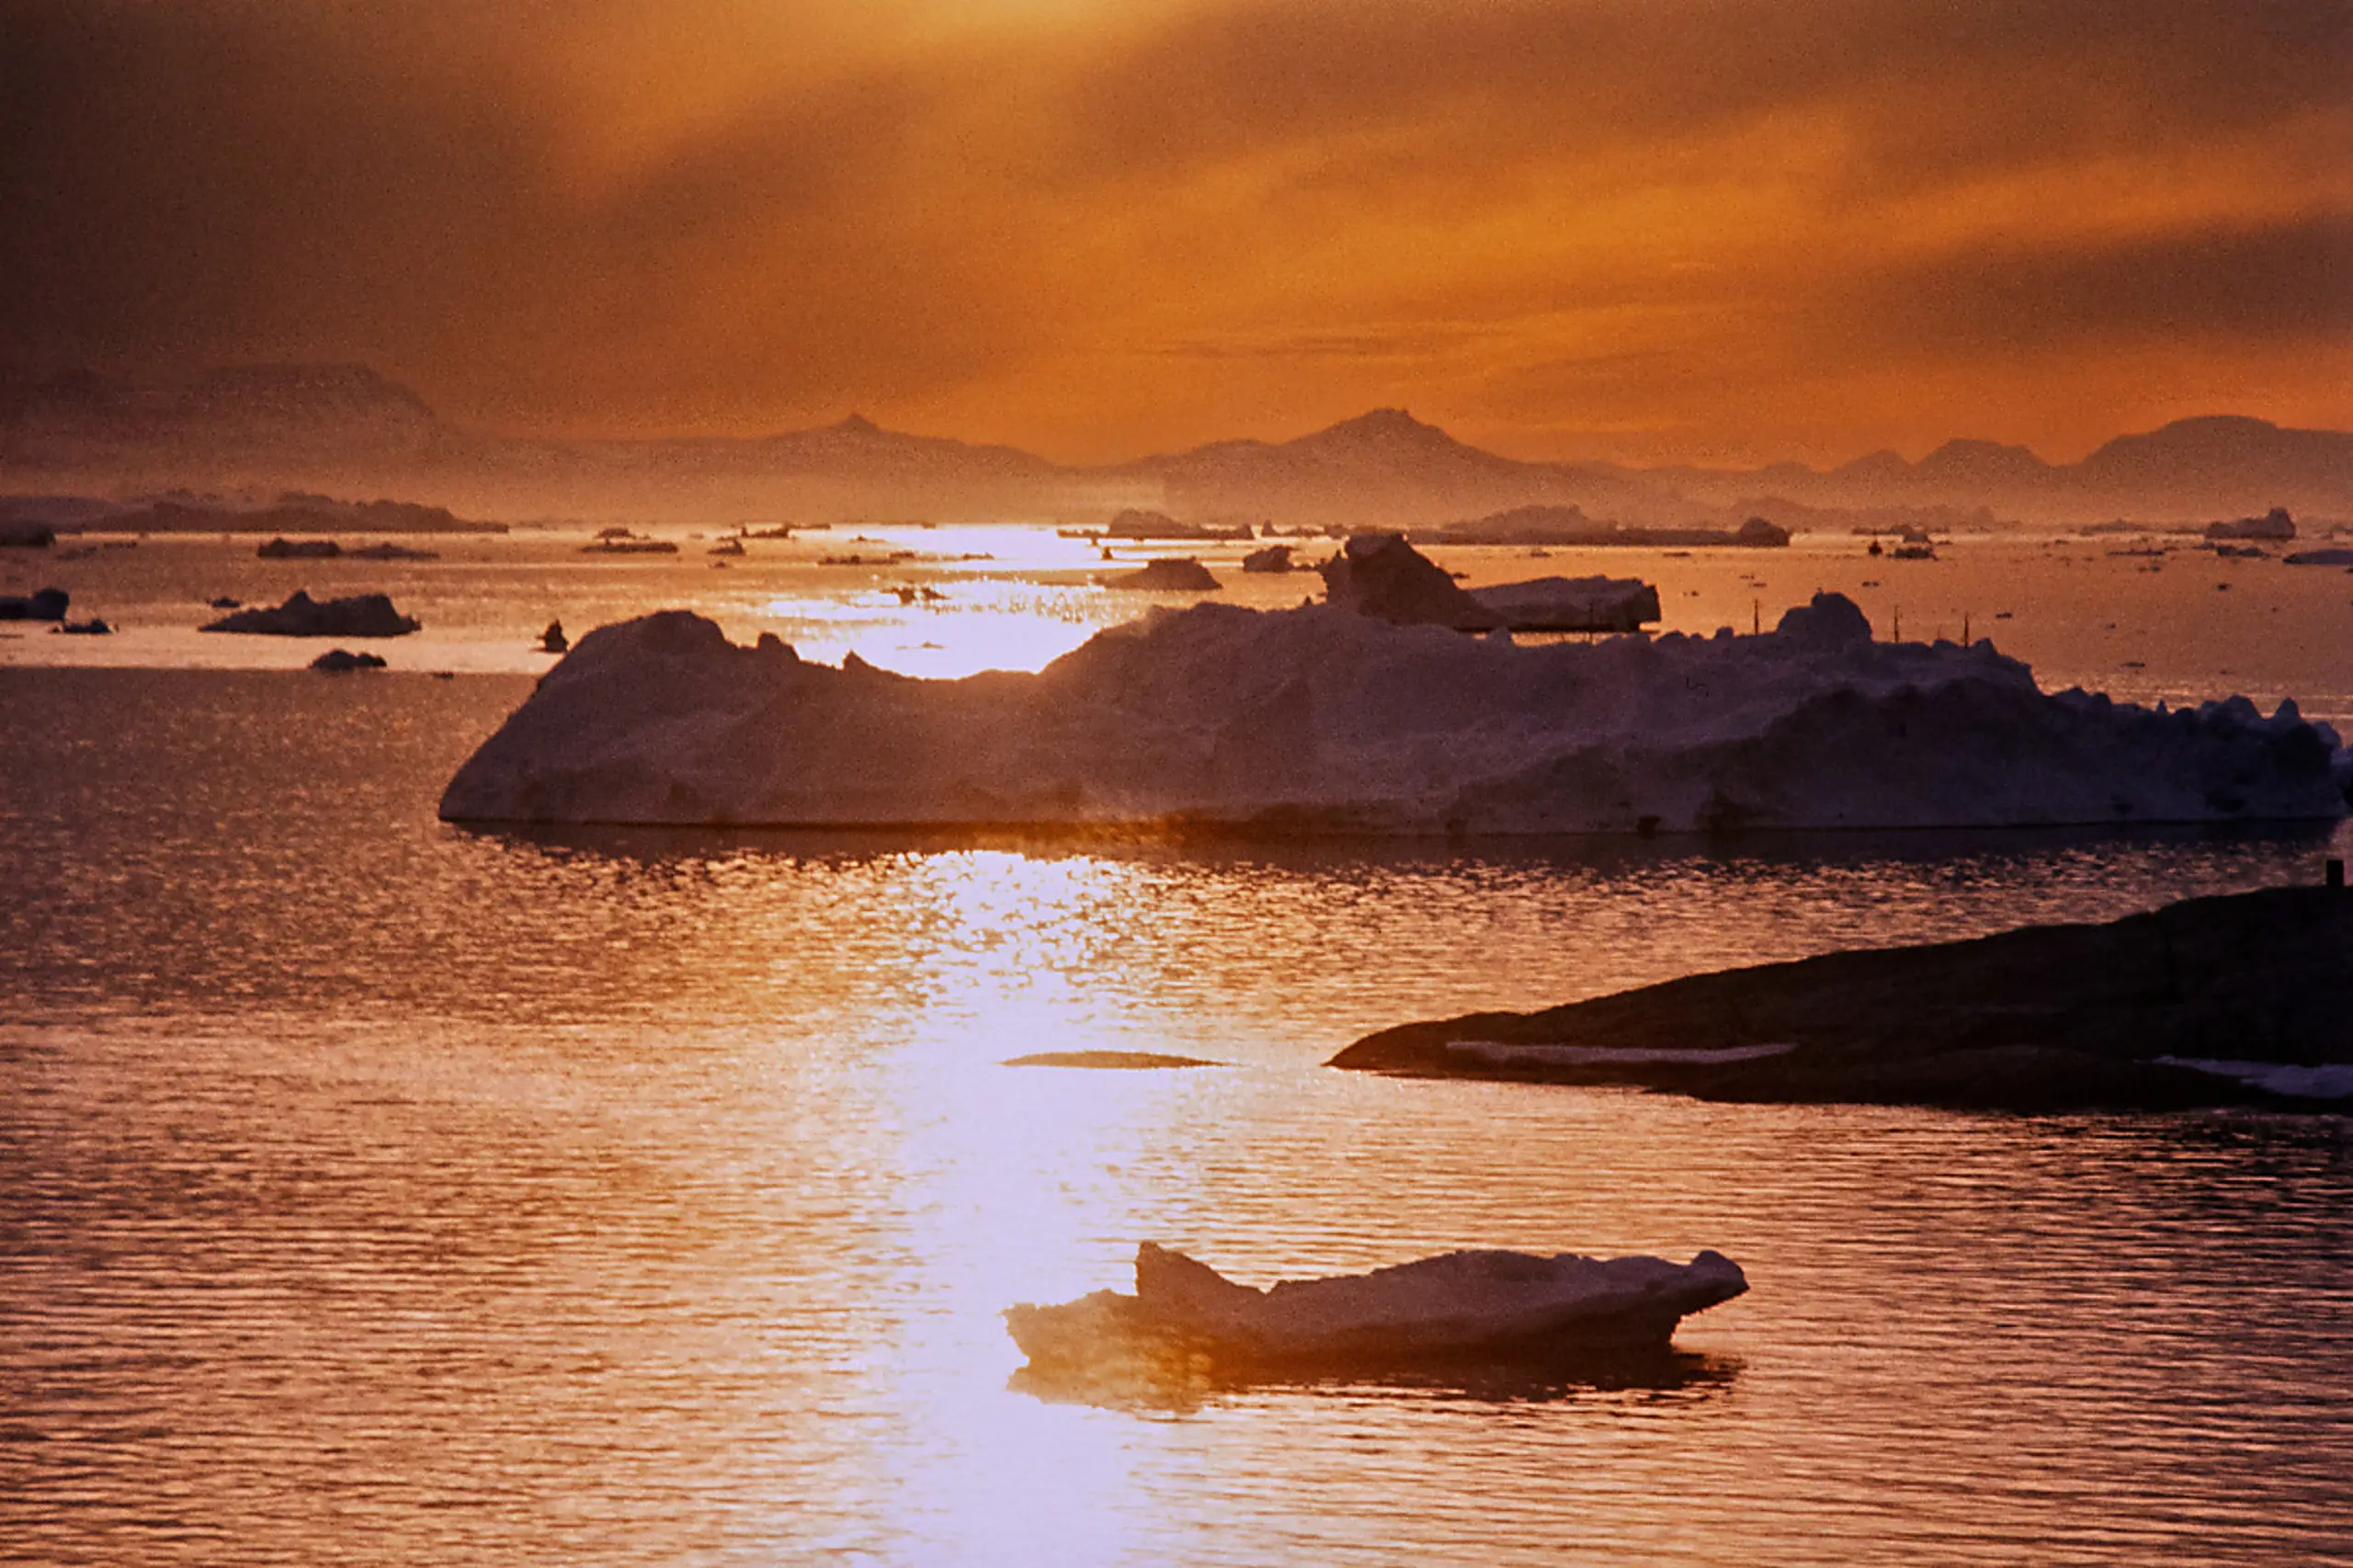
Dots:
(1321, 720)
(1457, 1305)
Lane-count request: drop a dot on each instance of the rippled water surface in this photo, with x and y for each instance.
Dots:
(377, 1191)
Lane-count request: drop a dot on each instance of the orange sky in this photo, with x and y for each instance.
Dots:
(1723, 230)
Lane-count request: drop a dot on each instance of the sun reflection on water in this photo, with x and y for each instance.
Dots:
(1018, 1182)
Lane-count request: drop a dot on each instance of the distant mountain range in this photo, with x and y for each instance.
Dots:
(262, 428)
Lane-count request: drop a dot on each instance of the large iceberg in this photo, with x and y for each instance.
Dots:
(1455, 1306)
(1321, 720)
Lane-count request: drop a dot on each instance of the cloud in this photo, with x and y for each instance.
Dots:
(1102, 228)
(2277, 280)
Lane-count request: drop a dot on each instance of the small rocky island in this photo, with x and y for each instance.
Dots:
(2241, 1000)
(361, 615)
(1175, 574)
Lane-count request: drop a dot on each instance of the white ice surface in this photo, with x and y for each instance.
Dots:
(1318, 719)
(1455, 1302)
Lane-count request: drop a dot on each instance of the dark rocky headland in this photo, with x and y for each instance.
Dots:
(2258, 987)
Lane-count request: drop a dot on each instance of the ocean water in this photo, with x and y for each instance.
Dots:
(2184, 626)
(373, 1190)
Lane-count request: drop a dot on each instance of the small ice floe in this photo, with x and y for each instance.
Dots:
(2330, 1081)
(1503, 1054)
(1112, 1060)
(1481, 1306)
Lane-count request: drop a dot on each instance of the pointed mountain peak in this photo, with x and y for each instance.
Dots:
(1387, 424)
(1990, 461)
(858, 425)
(1881, 464)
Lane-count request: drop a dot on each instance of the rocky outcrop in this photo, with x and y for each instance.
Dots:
(1179, 575)
(342, 661)
(362, 614)
(283, 549)
(2242, 1000)
(46, 604)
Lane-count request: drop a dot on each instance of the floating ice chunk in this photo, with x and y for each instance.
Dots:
(1456, 1305)
(1319, 719)
(1575, 604)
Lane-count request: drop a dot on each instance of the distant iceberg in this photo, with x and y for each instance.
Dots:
(1454, 1306)
(1319, 719)
(1383, 577)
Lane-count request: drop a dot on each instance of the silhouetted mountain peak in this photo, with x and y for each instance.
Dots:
(2222, 426)
(302, 393)
(2229, 450)
(1982, 463)
(1882, 464)
(857, 425)
(2205, 435)
(1382, 426)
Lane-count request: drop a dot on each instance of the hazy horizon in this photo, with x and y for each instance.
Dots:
(1646, 233)
(161, 389)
